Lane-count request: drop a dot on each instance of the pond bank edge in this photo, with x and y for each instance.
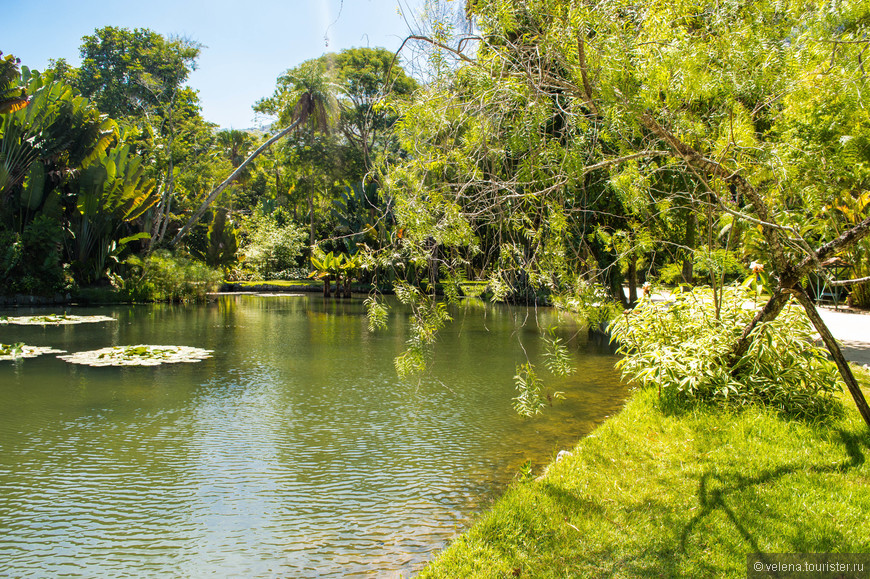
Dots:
(652, 494)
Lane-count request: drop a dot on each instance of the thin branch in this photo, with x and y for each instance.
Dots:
(849, 281)
(609, 162)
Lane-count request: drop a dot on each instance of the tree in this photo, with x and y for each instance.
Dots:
(370, 84)
(66, 182)
(126, 72)
(137, 76)
(12, 96)
(573, 98)
(314, 105)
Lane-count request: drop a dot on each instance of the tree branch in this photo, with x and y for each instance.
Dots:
(836, 354)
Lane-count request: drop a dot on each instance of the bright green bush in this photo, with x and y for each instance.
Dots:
(273, 246)
(679, 347)
(166, 277)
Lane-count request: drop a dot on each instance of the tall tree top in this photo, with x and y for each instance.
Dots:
(125, 71)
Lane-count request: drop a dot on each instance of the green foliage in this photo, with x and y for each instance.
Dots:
(167, 277)
(556, 356)
(112, 190)
(679, 348)
(376, 312)
(589, 301)
(222, 241)
(30, 262)
(530, 399)
(428, 316)
(125, 71)
(273, 246)
(708, 266)
(57, 134)
(12, 97)
(533, 395)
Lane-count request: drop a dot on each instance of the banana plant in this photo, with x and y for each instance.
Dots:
(113, 190)
(43, 144)
(348, 271)
(326, 266)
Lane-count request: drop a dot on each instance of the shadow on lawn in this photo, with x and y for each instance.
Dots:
(712, 497)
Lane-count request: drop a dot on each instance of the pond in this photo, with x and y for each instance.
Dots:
(294, 451)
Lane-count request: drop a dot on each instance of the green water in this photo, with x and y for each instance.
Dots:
(295, 451)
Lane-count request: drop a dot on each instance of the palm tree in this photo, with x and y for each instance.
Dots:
(315, 104)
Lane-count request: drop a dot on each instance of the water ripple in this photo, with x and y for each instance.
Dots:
(295, 451)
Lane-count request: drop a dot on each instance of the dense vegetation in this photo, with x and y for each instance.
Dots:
(565, 154)
(568, 153)
(105, 164)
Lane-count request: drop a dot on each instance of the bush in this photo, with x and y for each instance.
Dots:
(274, 245)
(591, 303)
(717, 263)
(30, 262)
(166, 277)
(680, 346)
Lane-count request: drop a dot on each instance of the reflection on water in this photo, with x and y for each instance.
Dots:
(294, 451)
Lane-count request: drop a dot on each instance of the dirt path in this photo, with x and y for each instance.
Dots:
(852, 330)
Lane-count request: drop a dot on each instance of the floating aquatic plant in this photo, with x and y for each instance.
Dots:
(20, 350)
(53, 320)
(139, 355)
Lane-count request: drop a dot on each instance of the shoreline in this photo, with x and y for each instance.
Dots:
(652, 493)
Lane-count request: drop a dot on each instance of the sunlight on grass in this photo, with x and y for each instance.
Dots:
(652, 494)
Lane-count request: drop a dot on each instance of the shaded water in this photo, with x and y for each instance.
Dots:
(294, 451)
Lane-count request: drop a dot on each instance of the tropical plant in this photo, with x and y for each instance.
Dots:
(274, 244)
(12, 96)
(221, 241)
(326, 267)
(310, 101)
(43, 145)
(678, 346)
(168, 277)
(113, 190)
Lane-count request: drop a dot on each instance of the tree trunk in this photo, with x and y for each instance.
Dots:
(836, 353)
(632, 281)
(311, 233)
(233, 176)
(689, 242)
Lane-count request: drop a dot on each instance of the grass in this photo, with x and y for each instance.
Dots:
(664, 495)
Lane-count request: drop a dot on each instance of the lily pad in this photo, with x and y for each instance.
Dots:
(16, 351)
(54, 320)
(139, 355)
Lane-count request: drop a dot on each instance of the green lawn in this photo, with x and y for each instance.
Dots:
(650, 494)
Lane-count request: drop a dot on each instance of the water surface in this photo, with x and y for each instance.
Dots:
(294, 451)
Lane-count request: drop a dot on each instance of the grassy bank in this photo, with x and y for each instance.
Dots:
(652, 494)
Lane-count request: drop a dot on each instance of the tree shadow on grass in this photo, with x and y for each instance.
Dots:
(712, 498)
(671, 555)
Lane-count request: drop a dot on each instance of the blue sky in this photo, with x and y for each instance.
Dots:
(248, 43)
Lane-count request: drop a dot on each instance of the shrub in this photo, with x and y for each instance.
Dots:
(164, 276)
(30, 262)
(274, 245)
(590, 302)
(679, 346)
